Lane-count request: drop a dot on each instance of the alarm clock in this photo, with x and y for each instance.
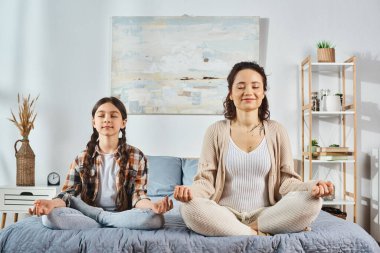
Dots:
(53, 179)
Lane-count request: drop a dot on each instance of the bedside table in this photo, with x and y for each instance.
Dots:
(18, 199)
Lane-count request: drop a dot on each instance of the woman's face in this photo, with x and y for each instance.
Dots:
(247, 90)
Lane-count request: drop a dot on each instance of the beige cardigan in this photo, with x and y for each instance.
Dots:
(209, 181)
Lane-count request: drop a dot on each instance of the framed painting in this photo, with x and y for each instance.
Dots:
(178, 65)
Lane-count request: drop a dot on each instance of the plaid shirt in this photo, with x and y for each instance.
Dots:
(135, 183)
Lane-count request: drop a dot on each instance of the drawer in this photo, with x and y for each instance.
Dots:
(23, 198)
(29, 192)
(12, 199)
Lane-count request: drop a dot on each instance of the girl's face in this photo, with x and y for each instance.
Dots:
(108, 120)
(247, 90)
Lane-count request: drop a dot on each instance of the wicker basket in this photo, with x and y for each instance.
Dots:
(25, 164)
(326, 54)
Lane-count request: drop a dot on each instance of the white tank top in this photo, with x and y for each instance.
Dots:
(246, 187)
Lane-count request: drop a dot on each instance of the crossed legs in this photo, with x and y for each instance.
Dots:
(293, 213)
(83, 216)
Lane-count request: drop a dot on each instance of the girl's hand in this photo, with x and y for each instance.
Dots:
(183, 193)
(322, 189)
(42, 207)
(163, 205)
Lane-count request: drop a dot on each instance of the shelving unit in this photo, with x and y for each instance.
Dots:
(311, 119)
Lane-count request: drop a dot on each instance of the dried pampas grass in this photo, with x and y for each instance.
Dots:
(26, 115)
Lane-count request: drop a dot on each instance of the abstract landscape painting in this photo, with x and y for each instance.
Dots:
(178, 65)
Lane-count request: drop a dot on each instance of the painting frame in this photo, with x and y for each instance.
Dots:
(178, 64)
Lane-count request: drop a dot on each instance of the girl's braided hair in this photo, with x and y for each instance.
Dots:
(87, 193)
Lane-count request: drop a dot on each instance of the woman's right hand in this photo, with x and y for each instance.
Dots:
(44, 206)
(183, 193)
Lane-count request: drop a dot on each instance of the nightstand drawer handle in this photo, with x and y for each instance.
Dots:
(26, 194)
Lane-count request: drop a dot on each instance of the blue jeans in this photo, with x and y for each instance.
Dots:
(69, 218)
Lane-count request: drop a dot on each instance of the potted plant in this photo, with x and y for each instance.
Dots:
(326, 51)
(314, 145)
(313, 148)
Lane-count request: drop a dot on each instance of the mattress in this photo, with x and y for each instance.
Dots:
(328, 234)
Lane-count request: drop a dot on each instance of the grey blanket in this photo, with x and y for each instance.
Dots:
(329, 234)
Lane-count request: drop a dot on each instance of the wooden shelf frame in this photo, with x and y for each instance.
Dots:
(348, 110)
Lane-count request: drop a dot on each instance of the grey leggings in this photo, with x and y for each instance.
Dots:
(293, 213)
(87, 217)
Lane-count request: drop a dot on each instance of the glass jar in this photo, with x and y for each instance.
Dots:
(315, 101)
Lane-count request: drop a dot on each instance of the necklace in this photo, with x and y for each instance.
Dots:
(253, 128)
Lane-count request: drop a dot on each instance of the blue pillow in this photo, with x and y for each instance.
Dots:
(189, 169)
(164, 173)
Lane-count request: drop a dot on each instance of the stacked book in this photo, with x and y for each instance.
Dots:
(332, 153)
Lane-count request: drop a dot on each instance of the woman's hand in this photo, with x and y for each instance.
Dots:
(162, 206)
(322, 189)
(183, 193)
(44, 206)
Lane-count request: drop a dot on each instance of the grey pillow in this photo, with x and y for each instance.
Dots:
(164, 173)
(189, 169)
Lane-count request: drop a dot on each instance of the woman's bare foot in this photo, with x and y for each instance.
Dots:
(254, 232)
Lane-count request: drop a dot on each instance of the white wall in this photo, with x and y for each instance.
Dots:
(60, 50)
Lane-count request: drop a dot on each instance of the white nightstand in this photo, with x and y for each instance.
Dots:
(18, 199)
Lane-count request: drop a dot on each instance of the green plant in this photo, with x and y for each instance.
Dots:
(314, 143)
(325, 44)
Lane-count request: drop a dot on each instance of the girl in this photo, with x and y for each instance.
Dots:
(109, 175)
(246, 181)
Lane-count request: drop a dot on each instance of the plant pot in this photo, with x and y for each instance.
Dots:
(313, 150)
(326, 54)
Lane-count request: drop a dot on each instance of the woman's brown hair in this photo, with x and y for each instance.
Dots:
(229, 106)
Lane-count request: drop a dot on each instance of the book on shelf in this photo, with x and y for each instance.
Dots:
(332, 149)
(332, 157)
(349, 153)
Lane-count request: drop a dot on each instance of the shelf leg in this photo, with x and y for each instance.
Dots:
(15, 217)
(4, 218)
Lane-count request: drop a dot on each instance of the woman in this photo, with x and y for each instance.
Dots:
(246, 182)
(110, 176)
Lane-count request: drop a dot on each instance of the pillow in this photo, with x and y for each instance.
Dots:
(164, 173)
(189, 169)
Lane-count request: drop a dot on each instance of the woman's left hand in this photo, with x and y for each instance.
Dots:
(163, 205)
(322, 189)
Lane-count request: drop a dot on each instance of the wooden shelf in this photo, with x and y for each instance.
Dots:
(336, 202)
(327, 66)
(309, 118)
(334, 161)
(329, 114)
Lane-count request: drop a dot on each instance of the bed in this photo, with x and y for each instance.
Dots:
(328, 234)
